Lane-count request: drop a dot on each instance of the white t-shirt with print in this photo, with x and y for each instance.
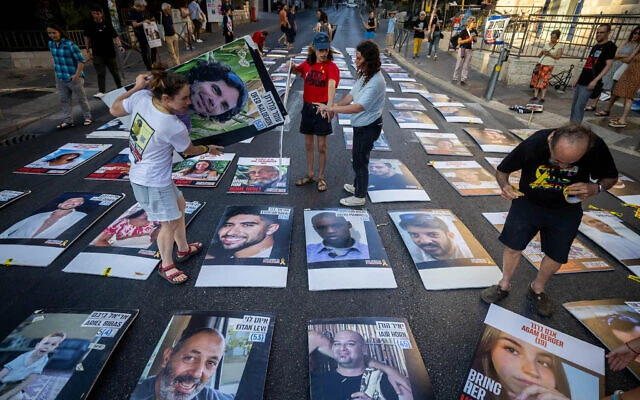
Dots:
(153, 135)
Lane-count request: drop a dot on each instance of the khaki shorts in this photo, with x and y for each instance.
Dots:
(389, 39)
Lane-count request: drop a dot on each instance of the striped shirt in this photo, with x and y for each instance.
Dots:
(66, 57)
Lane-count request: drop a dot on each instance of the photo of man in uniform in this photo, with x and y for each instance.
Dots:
(337, 243)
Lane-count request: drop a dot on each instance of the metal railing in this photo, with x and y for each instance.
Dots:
(527, 36)
(33, 40)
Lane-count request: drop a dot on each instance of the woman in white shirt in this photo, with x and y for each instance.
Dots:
(548, 56)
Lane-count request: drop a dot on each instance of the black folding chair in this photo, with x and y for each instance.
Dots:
(562, 79)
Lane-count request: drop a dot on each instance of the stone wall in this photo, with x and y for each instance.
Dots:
(25, 60)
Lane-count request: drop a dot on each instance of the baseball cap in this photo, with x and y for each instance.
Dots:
(321, 41)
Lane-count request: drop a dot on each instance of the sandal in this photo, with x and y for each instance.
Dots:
(173, 278)
(182, 256)
(65, 125)
(590, 108)
(602, 113)
(305, 180)
(322, 185)
(617, 124)
(87, 122)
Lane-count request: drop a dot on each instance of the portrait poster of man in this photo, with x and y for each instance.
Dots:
(514, 177)
(152, 33)
(39, 238)
(201, 171)
(608, 232)
(516, 357)
(452, 113)
(413, 120)
(260, 176)
(381, 144)
(445, 252)
(9, 196)
(581, 259)
(376, 357)
(493, 140)
(626, 189)
(406, 103)
(412, 87)
(40, 358)
(390, 180)
(126, 248)
(114, 129)
(231, 348)
(400, 77)
(613, 321)
(446, 144)
(344, 251)
(64, 159)
(523, 133)
(468, 178)
(436, 97)
(116, 169)
(388, 68)
(250, 248)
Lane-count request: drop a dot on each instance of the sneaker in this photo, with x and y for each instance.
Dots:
(454, 80)
(199, 40)
(540, 101)
(493, 294)
(541, 302)
(349, 188)
(414, 56)
(435, 58)
(429, 56)
(534, 98)
(98, 95)
(353, 201)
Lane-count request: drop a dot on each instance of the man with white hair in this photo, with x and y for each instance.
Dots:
(420, 26)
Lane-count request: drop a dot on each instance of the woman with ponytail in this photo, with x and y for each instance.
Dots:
(155, 102)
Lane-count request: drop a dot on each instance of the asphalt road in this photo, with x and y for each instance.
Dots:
(446, 324)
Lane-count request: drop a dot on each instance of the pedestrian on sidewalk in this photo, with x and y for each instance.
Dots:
(371, 26)
(227, 25)
(466, 39)
(198, 18)
(284, 25)
(187, 30)
(434, 35)
(551, 52)
(420, 26)
(98, 38)
(560, 168)
(155, 133)
(627, 88)
(323, 24)
(391, 29)
(171, 38)
(599, 62)
(365, 101)
(68, 62)
(321, 77)
(293, 31)
(138, 17)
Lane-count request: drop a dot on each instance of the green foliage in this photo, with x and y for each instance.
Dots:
(73, 15)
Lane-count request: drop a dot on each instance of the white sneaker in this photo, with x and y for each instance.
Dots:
(428, 56)
(353, 201)
(98, 95)
(349, 188)
(199, 40)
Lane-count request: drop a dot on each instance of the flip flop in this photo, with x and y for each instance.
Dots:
(182, 256)
(87, 122)
(65, 125)
(590, 108)
(162, 271)
(322, 185)
(306, 180)
(617, 124)
(602, 113)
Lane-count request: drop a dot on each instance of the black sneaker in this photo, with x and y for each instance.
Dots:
(541, 302)
(493, 294)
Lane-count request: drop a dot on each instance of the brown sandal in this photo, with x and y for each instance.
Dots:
(306, 180)
(172, 278)
(322, 185)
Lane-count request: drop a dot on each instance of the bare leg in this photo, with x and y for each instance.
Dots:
(311, 154)
(510, 260)
(180, 233)
(544, 93)
(612, 101)
(625, 113)
(535, 92)
(322, 155)
(548, 267)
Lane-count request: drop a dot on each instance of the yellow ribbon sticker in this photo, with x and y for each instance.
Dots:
(616, 213)
(7, 262)
(106, 272)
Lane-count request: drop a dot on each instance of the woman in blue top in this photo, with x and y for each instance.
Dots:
(365, 102)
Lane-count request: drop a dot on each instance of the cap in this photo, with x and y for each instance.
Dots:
(321, 41)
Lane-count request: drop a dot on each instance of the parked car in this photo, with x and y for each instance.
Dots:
(352, 4)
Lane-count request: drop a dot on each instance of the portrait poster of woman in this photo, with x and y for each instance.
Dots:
(517, 356)
(201, 171)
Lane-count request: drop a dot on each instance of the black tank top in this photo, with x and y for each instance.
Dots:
(371, 22)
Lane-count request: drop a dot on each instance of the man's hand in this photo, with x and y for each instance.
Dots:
(592, 84)
(582, 190)
(75, 78)
(574, 83)
(510, 193)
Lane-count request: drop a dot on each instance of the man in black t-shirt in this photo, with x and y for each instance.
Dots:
(598, 63)
(420, 26)
(98, 37)
(560, 168)
(138, 16)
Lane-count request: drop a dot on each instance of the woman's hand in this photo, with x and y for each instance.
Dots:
(620, 357)
(142, 81)
(536, 392)
(215, 150)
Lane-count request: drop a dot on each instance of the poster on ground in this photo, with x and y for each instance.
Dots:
(126, 248)
(514, 177)
(8, 196)
(413, 119)
(627, 190)
(344, 251)
(390, 180)
(412, 87)
(381, 144)
(201, 171)
(568, 368)
(233, 346)
(581, 259)
(608, 232)
(400, 77)
(523, 133)
(250, 248)
(64, 159)
(444, 251)
(117, 128)
(116, 169)
(41, 237)
(446, 144)
(453, 113)
(613, 321)
(468, 178)
(382, 347)
(406, 103)
(493, 140)
(64, 351)
(260, 176)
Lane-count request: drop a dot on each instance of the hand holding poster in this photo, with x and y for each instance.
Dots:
(496, 27)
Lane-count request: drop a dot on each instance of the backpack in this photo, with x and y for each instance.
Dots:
(453, 42)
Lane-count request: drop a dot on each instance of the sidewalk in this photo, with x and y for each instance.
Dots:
(557, 105)
(29, 103)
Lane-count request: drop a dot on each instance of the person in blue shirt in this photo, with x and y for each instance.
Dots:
(390, 32)
(69, 64)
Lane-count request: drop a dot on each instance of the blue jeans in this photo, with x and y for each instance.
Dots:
(580, 97)
(434, 44)
(363, 139)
